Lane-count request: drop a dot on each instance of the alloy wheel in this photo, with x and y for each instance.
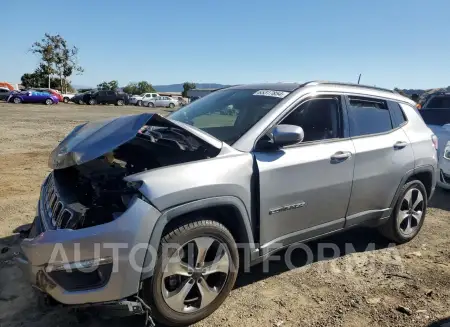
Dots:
(195, 274)
(17, 100)
(410, 212)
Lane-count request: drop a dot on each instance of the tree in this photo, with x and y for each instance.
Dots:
(39, 78)
(111, 85)
(139, 88)
(186, 87)
(56, 58)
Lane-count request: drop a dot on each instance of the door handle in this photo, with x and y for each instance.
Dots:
(400, 145)
(341, 156)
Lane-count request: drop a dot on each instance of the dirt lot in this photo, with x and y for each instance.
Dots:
(408, 285)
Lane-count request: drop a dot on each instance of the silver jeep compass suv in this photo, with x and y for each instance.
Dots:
(159, 212)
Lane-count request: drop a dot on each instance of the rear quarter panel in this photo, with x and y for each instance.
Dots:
(419, 135)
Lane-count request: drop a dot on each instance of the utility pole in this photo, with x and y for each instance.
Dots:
(359, 78)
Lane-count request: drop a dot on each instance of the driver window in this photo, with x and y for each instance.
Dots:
(319, 118)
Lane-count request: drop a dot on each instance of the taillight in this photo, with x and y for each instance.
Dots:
(435, 141)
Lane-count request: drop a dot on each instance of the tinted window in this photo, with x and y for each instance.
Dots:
(368, 116)
(398, 116)
(227, 114)
(110, 92)
(435, 116)
(438, 102)
(319, 118)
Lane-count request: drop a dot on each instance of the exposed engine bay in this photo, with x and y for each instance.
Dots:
(95, 191)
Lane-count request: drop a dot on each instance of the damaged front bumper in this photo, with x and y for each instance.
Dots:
(89, 265)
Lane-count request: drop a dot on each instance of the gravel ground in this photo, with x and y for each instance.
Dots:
(375, 285)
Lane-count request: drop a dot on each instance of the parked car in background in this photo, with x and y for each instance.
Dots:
(67, 97)
(4, 93)
(106, 97)
(56, 93)
(139, 99)
(161, 101)
(78, 98)
(32, 96)
(439, 100)
(293, 162)
(438, 120)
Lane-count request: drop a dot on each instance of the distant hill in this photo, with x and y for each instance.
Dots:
(179, 87)
(424, 92)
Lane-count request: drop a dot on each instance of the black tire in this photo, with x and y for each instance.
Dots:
(151, 105)
(66, 100)
(390, 229)
(152, 289)
(80, 102)
(120, 102)
(171, 105)
(48, 102)
(92, 102)
(16, 100)
(139, 103)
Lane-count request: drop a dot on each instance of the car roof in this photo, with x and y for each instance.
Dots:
(288, 87)
(327, 86)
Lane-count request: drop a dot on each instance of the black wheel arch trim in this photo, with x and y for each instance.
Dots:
(186, 208)
(421, 169)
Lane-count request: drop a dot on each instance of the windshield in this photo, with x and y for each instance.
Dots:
(228, 114)
(438, 102)
(438, 117)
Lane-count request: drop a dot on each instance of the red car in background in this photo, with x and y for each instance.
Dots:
(53, 92)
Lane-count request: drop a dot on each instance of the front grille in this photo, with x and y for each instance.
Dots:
(59, 215)
(445, 178)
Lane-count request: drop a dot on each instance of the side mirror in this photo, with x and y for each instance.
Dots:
(283, 135)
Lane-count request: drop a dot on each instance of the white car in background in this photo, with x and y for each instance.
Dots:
(161, 101)
(138, 100)
(67, 97)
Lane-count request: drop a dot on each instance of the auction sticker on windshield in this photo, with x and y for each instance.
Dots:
(271, 93)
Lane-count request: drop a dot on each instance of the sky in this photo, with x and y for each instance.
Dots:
(392, 43)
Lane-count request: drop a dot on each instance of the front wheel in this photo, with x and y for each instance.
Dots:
(66, 100)
(171, 105)
(151, 105)
(92, 102)
(195, 271)
(139, 103)
(120, 102)
(409, 213)
(17, 100)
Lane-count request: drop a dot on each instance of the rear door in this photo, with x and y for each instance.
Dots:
(305, 188)
(111, 97)
(383, 156)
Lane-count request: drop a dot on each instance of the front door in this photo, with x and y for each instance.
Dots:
(305, 188)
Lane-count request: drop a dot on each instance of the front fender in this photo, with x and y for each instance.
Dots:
(186, 208)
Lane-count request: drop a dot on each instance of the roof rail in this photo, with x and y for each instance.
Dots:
(348, 84)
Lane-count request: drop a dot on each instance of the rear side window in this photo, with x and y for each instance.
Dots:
(398, 116)
(110, 92)
(368, 116)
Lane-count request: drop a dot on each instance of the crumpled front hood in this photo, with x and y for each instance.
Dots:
(91, 140)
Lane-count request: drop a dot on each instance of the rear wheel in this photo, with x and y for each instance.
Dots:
(80, 101)
(409, 213)
(120, 102)
(195, 271)
(171, 105)
(66, 100)
(48, 102)
(92, 101)
(151, 105)
(17, 100)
